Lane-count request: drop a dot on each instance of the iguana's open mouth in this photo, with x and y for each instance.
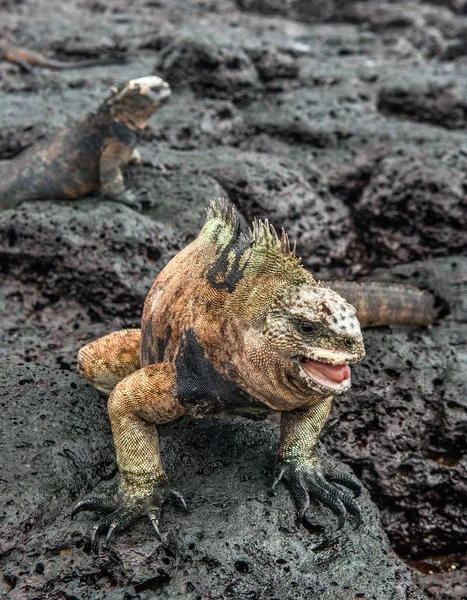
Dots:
(336, 377)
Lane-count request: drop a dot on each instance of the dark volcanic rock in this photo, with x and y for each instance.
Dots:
(189, 123)
(14, 140)
(101, 252)
(348, 180)
(176, 201)
(411, 209)
(236, 542)
(209, 68)
(54, 445)
(273, 64)
(436, 105)
(380, 16)
(442, 577)
(409, 413)
(457, 6)
(312, 11)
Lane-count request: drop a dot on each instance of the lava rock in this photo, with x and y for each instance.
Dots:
(189, 123)
(310, 11)
(403, 426)
(14, 140)
(436, 105)
(411, 209)
(54, 445)
(209, 68)
(381, 16)
(236, 541)
(103, 253)
(272, 63)
(177, 200)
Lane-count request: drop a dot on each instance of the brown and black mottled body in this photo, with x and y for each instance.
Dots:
(27, 59)
(233, 322)
(89, 154)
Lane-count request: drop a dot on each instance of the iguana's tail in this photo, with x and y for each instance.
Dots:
(386, 303)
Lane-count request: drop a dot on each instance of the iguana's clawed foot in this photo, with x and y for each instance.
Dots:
(307, 480)
(122, 512)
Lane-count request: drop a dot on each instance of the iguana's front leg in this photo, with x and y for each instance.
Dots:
(300, 466)
(115, 154)
(142, 399)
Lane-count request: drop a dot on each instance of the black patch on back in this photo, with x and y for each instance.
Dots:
(199, 384)
(220, 274)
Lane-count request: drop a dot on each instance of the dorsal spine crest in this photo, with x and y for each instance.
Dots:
(262, 235)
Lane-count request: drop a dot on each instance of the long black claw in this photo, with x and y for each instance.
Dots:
(341, 520)
(179, 499)
(153, 518)
(344, 496)
(357, 515)
(331, 487)
(329, 495)
(110, 532)
(302, 508)
(116, 521)
(104, 505)
(94, 533)
(278, 479)
(345, 479)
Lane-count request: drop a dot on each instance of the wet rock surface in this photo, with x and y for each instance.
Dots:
(345, 124)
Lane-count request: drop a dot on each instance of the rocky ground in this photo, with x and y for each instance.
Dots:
(345, 123)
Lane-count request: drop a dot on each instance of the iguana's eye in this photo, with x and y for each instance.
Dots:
(307, 328)
(348, 343)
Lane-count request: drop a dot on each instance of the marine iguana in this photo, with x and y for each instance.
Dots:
(26, 59)
(89, 154)
(234, 321)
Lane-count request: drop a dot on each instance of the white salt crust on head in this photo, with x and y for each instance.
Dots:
(148, 83)
(325, 305)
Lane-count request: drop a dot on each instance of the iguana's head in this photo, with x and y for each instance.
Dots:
(136, 100)
(298, 337)
(311, 335)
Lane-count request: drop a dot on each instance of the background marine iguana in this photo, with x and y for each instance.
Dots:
(26, 59)
(234, 322)
(89, 154)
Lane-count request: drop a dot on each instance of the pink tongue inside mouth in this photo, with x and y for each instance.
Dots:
(337, 373)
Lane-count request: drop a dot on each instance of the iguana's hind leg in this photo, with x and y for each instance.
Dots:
(141, 400)
(109, 359)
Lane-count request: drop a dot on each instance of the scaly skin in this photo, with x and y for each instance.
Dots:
(233, 322)
(89, 154)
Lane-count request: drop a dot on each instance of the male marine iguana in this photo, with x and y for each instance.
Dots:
(89, 154)
(234, 321)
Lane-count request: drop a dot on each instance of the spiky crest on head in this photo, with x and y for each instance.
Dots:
(223, 209)
(265, 236)
(262, 235)
(258, 268)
